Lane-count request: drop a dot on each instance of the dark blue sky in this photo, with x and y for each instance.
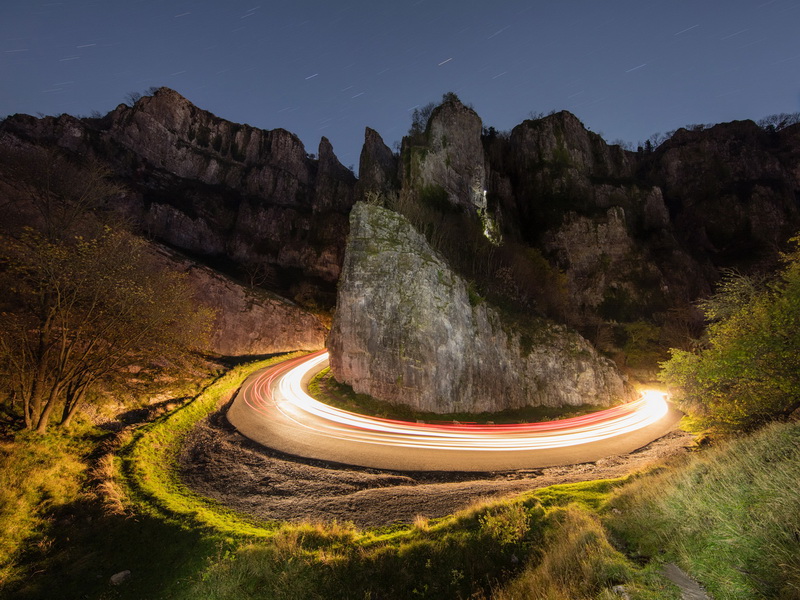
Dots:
(626, 68)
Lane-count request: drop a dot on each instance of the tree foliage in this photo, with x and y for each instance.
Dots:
(779, 121)
(82, 311)
(52, 193)
(747, 371)
(419, 119)
(80, 302)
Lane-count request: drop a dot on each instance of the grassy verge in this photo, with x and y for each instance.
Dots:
(74, 527)
(729, 516)
(38, 475)
(149, 463)
(580, 562)
(469, 554)
(326, 389)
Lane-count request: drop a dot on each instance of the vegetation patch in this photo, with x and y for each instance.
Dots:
(729, 516)
(149, 462)
(502, 549)
(37, 476)
(326, 389)
(746, 370)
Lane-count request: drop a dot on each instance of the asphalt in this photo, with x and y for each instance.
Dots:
(262, 422)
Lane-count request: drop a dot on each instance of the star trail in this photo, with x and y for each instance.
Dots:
(626, 68)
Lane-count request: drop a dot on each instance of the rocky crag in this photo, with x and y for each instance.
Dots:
(634, 238)
(635, 233)
(616, 244)
(248, 321)
(409, 330)
(244, 199)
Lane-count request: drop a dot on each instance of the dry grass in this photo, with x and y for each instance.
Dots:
(579, 562)
(37, 475)
(729, 516)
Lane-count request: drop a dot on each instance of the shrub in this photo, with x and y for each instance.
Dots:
(748, 370)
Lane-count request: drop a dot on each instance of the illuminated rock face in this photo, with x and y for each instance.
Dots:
(408, 330)
(449, 159)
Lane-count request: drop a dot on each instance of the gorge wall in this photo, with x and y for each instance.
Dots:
(408, 330)
(608, 241)
(247, 200)
(247, 321)
(635, 233)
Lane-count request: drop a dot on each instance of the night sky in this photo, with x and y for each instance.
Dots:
(626, 68)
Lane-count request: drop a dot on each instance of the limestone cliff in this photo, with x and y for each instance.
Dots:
(733, 190)
(247, 321)
(377, 168)
(408, 330)
(240, 196)
(630, 235)
(448, 158)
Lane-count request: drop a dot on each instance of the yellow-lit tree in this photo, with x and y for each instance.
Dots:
(748, 370)
(80, 301)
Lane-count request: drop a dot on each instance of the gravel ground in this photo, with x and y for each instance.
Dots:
(220, 463)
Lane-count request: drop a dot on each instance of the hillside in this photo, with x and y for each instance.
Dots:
(546, 221)
(543, 252)
(635, 233)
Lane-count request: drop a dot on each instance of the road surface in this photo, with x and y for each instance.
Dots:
(273, 408)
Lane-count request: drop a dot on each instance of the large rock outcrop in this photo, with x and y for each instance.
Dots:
(733, 190)
(377, 167)
(236, 195)
(408, 330)
(634, 234)
(447, 163)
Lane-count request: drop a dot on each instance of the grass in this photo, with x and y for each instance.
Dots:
(546, 541)
(453, 557)
(729, 516)
(149, 462)
(74, 527)
(581, 563)
(326, 389)
(38, 475)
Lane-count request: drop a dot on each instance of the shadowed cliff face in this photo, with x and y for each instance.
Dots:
(234, 194)
(408, 330)
(732, 190)
(635, 234)
(619, 239)
(247, 321)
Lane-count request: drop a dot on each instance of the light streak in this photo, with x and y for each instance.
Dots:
(282, 389)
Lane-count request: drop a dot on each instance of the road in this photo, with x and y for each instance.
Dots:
(273, 408)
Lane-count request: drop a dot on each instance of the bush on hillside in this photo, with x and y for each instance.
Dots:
(747, 371)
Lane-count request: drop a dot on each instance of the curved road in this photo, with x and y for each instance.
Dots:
(273, 409)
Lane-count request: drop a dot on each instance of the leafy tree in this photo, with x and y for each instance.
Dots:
(81, 312)
(419, 119)
(52, 193)
(747, 371)
(80, 302)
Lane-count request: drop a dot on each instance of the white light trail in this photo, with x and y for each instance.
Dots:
(283, 389)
